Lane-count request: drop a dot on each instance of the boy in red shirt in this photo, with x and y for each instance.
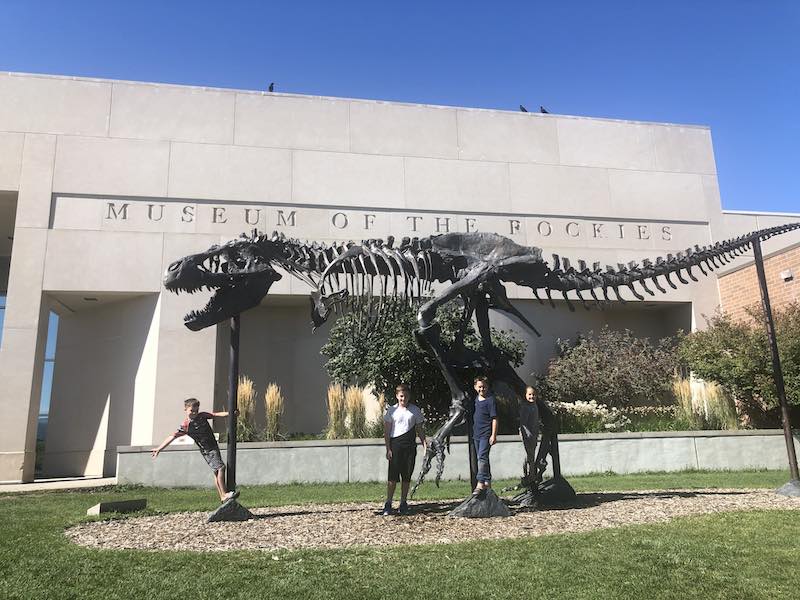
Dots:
(196, 426)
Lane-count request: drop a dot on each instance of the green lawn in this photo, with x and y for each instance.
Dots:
(737, 555)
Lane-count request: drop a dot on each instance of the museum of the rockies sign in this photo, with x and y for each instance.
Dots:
(360, 222)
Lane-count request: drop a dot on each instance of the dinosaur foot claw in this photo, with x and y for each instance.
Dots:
(436, 449)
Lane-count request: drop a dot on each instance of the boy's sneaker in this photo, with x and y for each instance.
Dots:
(387, 509)
(231, 495)
(403, 510)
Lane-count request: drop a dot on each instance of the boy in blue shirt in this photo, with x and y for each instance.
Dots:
(484, 431)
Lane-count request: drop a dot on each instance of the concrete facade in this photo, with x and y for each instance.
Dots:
(104, 183)
(365, 460)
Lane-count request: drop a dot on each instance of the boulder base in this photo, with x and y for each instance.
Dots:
(790, 489)
(230, 511)
(485, 504)
(555, 491)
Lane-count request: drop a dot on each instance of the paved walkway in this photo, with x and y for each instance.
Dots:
(41, 485)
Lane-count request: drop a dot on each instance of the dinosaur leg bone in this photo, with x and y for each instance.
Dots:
(428, 337)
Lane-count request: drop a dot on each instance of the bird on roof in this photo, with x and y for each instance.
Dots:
(522, 108)
(272, 87)
(543, 110)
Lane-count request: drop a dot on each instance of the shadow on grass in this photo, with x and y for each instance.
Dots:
(443, 507)
(592, 499)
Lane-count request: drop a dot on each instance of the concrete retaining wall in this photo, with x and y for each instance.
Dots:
(364, 460)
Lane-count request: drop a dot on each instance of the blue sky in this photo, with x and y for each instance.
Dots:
(732, 65)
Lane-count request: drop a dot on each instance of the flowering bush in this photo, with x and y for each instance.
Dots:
(616, 368)
(592, 417)
(588, 417)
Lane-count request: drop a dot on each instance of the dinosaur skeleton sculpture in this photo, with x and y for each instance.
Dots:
(374, 276)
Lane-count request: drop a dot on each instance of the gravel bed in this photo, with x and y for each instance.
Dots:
(350, 525)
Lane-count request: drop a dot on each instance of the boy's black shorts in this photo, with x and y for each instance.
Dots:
(213, 458)
(404, 455)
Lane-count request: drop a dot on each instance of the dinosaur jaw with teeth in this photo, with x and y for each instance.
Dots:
(237, 285)
(229, 301)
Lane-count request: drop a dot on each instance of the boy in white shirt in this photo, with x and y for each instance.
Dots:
(401, 423)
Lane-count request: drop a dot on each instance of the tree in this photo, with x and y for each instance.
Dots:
(736, 355)
(388, 354)
(614, 368)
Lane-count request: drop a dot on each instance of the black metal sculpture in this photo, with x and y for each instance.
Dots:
(373, 275)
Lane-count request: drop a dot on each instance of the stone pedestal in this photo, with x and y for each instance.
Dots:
(485, 504)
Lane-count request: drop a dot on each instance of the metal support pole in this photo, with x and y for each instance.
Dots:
(776, 364)
(233, 388)
(471, 452)
(556, 457)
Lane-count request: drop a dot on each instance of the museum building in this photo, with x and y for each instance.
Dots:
(105, 183)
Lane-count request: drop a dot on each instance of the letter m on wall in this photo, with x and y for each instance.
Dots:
(117, 213)
(284, 220)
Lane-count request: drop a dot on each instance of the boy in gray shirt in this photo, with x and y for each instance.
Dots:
(196, 426)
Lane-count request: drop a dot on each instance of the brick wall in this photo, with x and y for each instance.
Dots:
(739, 289)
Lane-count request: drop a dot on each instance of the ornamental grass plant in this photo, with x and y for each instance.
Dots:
(337, 413)
(703, 404)
(273, 409)
(356, 412)
(246, 429)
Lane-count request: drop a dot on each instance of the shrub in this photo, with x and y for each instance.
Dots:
(612, 368)
(389, 354)
(374, 428)
(736, 355)
(273, 408)
(656, 418)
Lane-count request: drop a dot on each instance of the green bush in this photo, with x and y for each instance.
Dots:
(389, 354)
(613, 368)
(736, 355)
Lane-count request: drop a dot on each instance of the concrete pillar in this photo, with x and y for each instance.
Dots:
(25, 326)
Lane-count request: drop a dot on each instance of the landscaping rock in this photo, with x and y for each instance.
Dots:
(791, 489)
(486, 504)
(555, 492)
(230, 511)
(120, 506)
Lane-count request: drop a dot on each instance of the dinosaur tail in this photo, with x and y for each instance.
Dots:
(565, 278)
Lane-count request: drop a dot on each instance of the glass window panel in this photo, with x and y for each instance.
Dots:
(52, 334)
(47, 387)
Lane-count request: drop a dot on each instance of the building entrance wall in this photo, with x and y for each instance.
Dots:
(103, 386)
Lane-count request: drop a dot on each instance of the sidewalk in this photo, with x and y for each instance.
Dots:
(43, 485)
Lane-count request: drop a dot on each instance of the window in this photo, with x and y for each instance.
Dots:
(49, 364)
